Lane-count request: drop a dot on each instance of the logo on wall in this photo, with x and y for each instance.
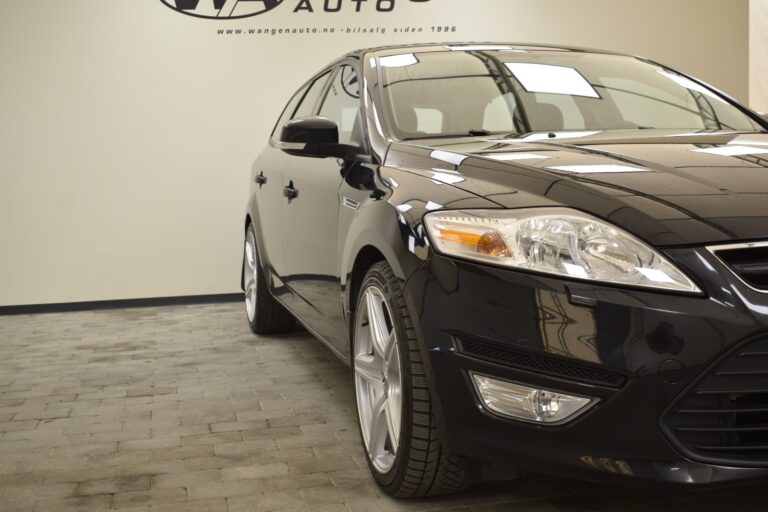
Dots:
(234, 9)
(222, 9)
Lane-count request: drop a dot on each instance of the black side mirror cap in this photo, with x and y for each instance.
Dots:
(315, 137)
(310, 130)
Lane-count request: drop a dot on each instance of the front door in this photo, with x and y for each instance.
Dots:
(312, 217)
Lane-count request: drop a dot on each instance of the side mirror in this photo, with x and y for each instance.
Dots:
(314, 136)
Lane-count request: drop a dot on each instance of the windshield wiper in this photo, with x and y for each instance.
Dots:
(468, 133)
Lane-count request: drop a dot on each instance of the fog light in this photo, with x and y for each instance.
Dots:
(529, 404)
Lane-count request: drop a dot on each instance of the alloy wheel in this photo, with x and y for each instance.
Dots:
(378, 379)
(250, 275)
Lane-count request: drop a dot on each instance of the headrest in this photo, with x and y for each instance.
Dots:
(548, 118)
(405, 118)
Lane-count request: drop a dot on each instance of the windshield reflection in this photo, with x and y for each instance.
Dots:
(538, 94)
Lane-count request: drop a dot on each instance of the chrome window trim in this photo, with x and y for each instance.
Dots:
(714, 249)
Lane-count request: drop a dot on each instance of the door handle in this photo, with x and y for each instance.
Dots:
(290, 192)
(261, 179)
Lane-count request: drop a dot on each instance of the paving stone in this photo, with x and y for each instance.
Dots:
(182, 452)
(201, 463)
(212, 505)
(251, 472)
(44, 413)
(30, 493)
(206, 490)
(293, 481)
(246, 447)
(220, 438)
(238, 426)
(186, 478)
(114, 485)
(12, 426)
(148, 444)
(268, 501)
(322, 465)
(149, 497)
(151, 391)
(98, 503)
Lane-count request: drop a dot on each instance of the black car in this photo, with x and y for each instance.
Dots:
(550, 258)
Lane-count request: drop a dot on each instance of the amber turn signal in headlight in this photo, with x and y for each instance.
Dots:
(489, 243)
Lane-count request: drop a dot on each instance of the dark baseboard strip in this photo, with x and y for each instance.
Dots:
(120, 304)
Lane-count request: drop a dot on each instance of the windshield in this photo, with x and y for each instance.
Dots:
(452, 93)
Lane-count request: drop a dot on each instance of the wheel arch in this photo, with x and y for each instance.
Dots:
(363, 258)
(367, 257)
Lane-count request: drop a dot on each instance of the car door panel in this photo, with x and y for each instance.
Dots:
(312, 219)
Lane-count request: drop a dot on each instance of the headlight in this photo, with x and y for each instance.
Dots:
(556, 241)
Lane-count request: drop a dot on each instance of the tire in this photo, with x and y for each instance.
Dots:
(416, 464)
(264, 313)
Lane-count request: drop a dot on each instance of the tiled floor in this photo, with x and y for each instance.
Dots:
(182, 409)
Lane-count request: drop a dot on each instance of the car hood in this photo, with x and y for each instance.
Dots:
(670, 188)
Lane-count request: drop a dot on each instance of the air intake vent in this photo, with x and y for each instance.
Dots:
(748, 261)
(539, 363)
(724, 418)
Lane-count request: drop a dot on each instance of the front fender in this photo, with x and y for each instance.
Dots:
(391, 226)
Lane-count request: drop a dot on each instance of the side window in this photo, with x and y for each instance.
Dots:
(342, 104)
(307, 107)
(288, 112)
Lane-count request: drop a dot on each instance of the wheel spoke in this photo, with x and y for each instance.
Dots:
(369, 368)
(390, 346)
(392, 412)
(250, 281)
(376, 323)
(377, 430)
(249, 253)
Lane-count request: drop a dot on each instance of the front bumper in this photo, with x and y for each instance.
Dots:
(636, 351)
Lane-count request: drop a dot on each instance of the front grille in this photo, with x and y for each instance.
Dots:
(539, 363)
(748, 261)
(724, 418)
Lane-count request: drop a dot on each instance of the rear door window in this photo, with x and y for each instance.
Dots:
(342, 105)
(308, 104)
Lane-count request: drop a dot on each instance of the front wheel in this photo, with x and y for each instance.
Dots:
(394, 405)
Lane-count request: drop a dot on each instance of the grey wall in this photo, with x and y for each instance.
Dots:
(127, 129)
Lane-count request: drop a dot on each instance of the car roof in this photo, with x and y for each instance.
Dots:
(485, 45)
